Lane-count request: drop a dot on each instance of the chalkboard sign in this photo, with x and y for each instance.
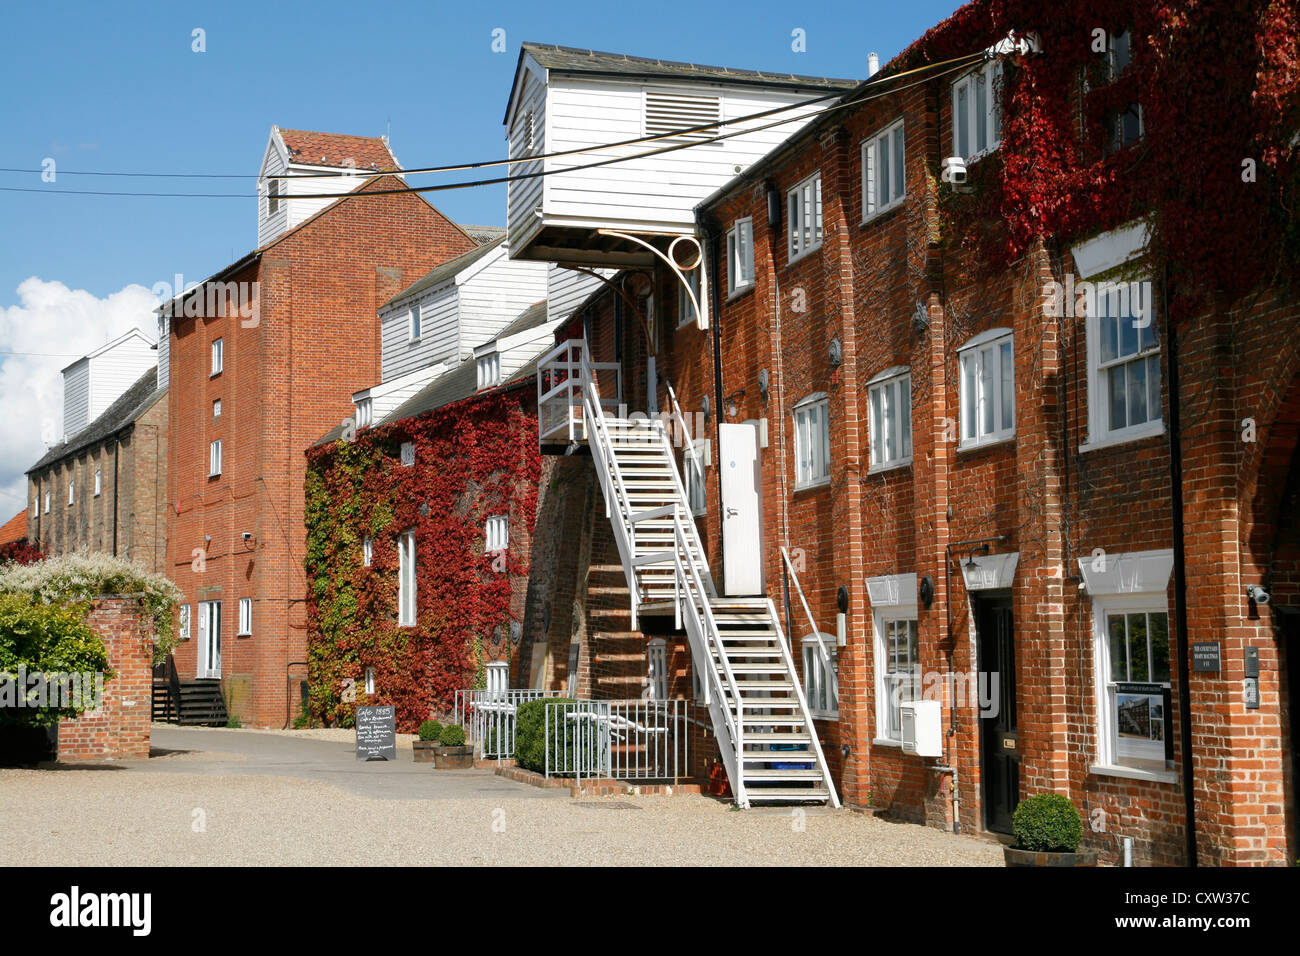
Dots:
(376, 733)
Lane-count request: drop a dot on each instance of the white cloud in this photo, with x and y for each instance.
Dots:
(58, 324)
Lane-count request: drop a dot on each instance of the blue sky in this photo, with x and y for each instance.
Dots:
(116, 87)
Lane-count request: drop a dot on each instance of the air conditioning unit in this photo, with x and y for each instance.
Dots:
(922, 733)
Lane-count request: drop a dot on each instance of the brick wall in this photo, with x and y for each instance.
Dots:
(287, 379)
(120, 727)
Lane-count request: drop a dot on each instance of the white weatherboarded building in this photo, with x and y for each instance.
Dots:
(566, 99)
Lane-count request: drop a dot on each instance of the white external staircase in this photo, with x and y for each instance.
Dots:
(756, 702)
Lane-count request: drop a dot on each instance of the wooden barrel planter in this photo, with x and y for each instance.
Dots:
(453, 758)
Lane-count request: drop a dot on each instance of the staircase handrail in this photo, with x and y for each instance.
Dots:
(803, 702)
(812, 622)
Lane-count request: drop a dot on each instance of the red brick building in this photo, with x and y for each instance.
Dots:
(1030, 513)
(261, 358)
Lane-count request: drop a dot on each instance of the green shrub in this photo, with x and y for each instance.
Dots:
(1047, 822)
(429, 730)
(302, 720)
(531, 743)
(51, 639)
(232, 723)
(71, 578)
(453, 735)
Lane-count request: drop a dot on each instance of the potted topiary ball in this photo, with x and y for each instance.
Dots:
(1048, 831)
(424, 747)
(451, 752)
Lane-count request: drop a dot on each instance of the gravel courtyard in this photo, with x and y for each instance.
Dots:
(299, 798)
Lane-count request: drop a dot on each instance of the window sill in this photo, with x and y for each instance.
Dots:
(986, 443)
(813, 485)
(412, 341)
(885, 742)
(890, 466)
(213, 375)
(740, 291)
(1132, 773)
(803, 255)
(884, 211)
(244, 634)
(1123, 437)
(823, 715)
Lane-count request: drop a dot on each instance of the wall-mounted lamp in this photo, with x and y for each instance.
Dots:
(920, 318)
(927, 592)
(704, 407)
(733, 402)
(207, 539)
(762, 383)
(836, 353)
(970, 563)
(773, 207)
(841, 618)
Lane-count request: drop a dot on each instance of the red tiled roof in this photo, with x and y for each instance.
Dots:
(15, 529)
(335, 149)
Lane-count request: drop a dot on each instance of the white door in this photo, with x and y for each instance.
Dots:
(742, 540)
(209, 665)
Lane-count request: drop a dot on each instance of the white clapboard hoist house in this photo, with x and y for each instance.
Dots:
(637, 217)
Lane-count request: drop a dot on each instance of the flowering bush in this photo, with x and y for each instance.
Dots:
(20, 552)
(73, 578)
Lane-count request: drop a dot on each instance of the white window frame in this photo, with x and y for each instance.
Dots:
(183, 626)
(812, 452)
(245, 617)
(803, 205)
(406, 579)
(893, 139)
(740, 256)
(821, 681)
(966, 91)
(685, 310)
(48, 496)
(369, 680)
(1100, 434)
(218, 357)
(413, 327)
(365, 412)
(978, 352)
(72, 492)
(1150, 602)
(408, 454)
(272, 197)
(216, 408)
(695, 464)
(367, 551)
(657, 668)
(889, 396)
(99, 481)
(882, 620)
(488, 370)
(214, 458)
(496, 533)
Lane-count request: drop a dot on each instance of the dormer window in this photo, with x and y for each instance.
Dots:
(489, 370)
(365, 412)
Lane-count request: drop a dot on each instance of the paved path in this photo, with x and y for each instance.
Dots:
(331, 761)
(249, 798)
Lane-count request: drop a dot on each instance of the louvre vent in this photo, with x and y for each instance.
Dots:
(666, 112)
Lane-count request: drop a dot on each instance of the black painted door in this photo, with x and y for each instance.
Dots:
(999, 742)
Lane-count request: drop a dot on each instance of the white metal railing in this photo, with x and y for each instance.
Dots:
(560, 398)
(812, 622)
(489, 717)
(803, 703)
(617, 739)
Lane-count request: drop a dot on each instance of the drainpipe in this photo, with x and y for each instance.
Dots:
(1180, 580)
(117, 443)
